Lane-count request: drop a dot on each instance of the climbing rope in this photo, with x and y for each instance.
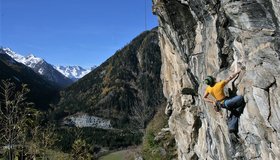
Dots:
(145, 12)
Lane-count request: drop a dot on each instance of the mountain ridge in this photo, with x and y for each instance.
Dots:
(41, 67)
(62, 75)
(128, 78)
(73, 72)
(42, 91)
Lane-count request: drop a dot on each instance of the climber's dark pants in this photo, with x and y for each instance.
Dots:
(235, 103)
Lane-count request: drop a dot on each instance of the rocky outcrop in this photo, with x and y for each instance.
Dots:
(85, 120)
(200, 38)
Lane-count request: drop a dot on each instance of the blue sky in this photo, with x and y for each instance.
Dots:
(72, 32)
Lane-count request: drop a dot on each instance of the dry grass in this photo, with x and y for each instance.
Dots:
(128, 154)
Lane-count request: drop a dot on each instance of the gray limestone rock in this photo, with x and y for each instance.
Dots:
(262, 78)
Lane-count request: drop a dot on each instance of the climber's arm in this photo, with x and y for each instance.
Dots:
(208, 99)
(232, 76)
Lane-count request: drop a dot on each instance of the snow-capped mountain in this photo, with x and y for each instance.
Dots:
(14, 55)
(42, 91)
(41, 67)
(30, 60)
(73, 72)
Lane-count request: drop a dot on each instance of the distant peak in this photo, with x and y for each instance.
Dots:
(12, 54)
(32, 56)
(8, 51)
(59, 66)
(74, 67)
(73, 72)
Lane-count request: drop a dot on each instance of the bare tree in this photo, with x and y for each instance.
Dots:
(12, 115)
(43, 138)
(81, 150)
(27, 123)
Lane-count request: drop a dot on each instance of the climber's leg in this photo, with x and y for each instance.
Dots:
(233, 123)
(234, 102)
(240, 108)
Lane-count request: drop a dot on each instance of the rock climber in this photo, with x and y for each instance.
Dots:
(234, 104)
(216, 89)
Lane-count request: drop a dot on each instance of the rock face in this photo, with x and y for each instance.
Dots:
(85, 120)
(200, 38)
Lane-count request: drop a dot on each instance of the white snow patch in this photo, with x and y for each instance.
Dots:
(41, 71)
(30, 60)
(13, 54)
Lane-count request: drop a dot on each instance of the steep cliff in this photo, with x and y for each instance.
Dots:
(215, 37)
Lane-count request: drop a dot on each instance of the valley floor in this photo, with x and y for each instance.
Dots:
(129, 154)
